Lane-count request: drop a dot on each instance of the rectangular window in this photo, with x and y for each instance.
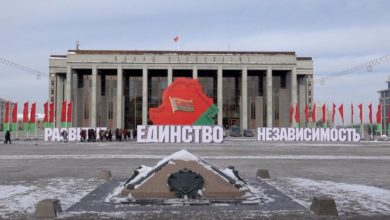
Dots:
(103, 85)
(283, 81)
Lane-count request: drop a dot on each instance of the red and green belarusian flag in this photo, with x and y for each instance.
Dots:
(297, 115)
(25, 117)
(46, 115)
(14, 120)
(6, 117)
(32, 122)
(66, 114)
(63, 114)
(178, 104)
(48, 119)
(379, 118)
(69, 114)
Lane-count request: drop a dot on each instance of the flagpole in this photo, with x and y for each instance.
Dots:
(35, 124)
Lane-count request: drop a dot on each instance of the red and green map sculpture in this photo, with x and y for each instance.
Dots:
(184, 103)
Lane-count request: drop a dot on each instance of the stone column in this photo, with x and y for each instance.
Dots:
(269, 97)
(119, 97)
(145, 94)
(94, 97)
(195, 72)
(219, 94)
(68, 85)
(244, 98)
(170, 75)
(293, 91)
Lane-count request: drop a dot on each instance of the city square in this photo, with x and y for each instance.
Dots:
(195, 109)
(354, 174)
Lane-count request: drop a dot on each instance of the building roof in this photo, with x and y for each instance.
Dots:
(181, 52)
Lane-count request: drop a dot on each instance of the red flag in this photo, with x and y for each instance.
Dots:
(25, 112)
(51, 115)
(324, 113)
(70, 110)
(297, 114)
(46, 110)
(361, 113)
(63, 112)
(15, 113)
(7, 110)
(379, 114)
(291, 113)
(33, 112)
(370, 112)
(307, 113)
(352, 113)
(341, 110)
(176, 39)
(333, 112)
(313, 114)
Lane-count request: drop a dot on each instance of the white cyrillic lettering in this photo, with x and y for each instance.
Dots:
(186, 134)
(298, 134)
(260, 134)
(342, 134)
(163, 134)
(334, 135)
(141, 133)
(307, 134)
(325, 134)
(283, 134)
(48, 133)
(207, 134)
(175, 134)
(290, 134)
(217, 134)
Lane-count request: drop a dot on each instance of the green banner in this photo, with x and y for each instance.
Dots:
(6, 127)
(32, 127)
(14, 127)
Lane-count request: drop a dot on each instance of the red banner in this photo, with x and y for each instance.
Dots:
(70, 110)
(297, 114)
(7, 110)
(370, 113)
(324, 113)
(341, 110)
(15, 113)
(313, 114)
(361, 113)
(51, 115)
(333, 112)
(63, 112)
(46, 111)
(379, 114)
(291, 113)
(33, 112)
(25, 112)
(352, 113)
(307, 113)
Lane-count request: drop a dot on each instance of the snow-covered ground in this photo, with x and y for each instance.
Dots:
(351, 199)
(21, 197)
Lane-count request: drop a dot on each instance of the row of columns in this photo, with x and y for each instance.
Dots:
(244, 92)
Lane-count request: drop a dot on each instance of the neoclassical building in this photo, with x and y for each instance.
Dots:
(115, 88)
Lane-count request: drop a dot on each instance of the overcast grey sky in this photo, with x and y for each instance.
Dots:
(338, 34)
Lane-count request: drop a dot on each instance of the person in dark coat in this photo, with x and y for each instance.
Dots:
(135, 134)
(7, 137)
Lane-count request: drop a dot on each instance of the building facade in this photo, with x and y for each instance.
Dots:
(116, 88)
(384, 99)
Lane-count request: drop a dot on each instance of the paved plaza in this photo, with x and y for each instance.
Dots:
(357, 175)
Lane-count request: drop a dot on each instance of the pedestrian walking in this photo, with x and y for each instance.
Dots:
(8, 137)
